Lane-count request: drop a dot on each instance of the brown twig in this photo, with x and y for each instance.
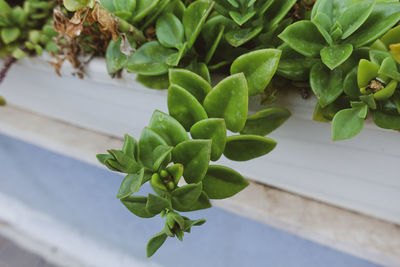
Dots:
(6, 66)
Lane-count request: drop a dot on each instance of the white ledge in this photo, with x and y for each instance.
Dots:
(353, 233)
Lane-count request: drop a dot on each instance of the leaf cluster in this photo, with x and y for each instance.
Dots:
(166, 152)
(27, 28)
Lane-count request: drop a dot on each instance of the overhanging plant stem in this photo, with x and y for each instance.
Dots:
(10, 60)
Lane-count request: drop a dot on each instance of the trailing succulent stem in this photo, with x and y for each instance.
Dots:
(165, 152)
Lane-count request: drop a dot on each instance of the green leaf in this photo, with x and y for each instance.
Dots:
(350, 85)
(184, 107)
(203, 202)
(229, 100)
(247, 147)
(276, 11)
(324, 24)
(222, 182)
(130, 147)
(148, 142)
(103, 157)
(265, 121)
(128, 164)
(125, 5)
(168, 128)
(389, 68)
(386, 121)
(74, 5)
(194, 155)
(162, 154)
(293, 65)
(150, 59)
(176, 171)
(346, 124)
(258, 67)
(241, 19)
(156, 204)
(143, 8)
(334, 55)
(354, 16)
(115, 59)
(159, 82)
(304, 37)
(239, 36)
(369, 100)
(391, 37)
(189, 223)
(193, 19)
(191, 82)
(214, 129)
(174, 218)
(366, 72)
(155, 243)
(131, 184)
(9, 35)
(386, 92)
(201, 69)
(383, 17)
(185, 196)
(169, 31)
(326, 84)
(137, 205)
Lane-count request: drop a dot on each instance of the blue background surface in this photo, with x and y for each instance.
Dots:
(83, 196)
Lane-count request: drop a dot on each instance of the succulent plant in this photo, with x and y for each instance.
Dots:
(165, 152)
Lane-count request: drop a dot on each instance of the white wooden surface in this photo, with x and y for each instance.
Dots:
(360, 174)
(356, 234)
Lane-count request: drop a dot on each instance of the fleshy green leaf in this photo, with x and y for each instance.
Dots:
(354, 16)
(193, 19)
(115, 59)
(156, 204)
(169, 31)
(366, 72)
(222, 182)
(383, 17)
(191, 82)
(346, 124)
(168, 128)
(185, 196)
(158, 82)
(137, 205)
(149, 141)
(326, 84)
(386, 121)
(150, 59)
(130, 147)
(247, 147)
(350, 85)
(125, 5)
(184, 107)
(258, 67)
(214, 129)
(239, 36)
(162, 156)
(265, 121)
(143, 7)
(203, 202)
(229, 100)
(304, 37)
(194, 155)
(74, 5)
(131, 184)
(155, 243)
(9, 35)
(334, 55)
